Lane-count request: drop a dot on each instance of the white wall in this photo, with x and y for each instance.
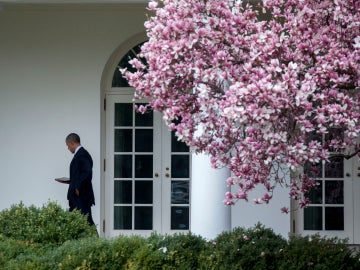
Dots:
(51, 61)
(247, 214)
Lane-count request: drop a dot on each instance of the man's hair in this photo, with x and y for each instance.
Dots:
(73, 137)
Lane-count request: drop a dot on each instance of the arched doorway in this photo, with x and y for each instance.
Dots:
(146, 171)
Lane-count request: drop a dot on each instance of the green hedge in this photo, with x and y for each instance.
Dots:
(52, 238)
(49, 224)
(255, 248)
(317, 253)
(177, 252)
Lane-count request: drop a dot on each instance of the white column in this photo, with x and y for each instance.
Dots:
(209, 215)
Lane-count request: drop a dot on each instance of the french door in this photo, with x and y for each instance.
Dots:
(147, 177)
(334, 210)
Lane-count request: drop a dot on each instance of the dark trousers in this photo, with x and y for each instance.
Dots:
(84, 209)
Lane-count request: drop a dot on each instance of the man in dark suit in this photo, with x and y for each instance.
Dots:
(80, 192)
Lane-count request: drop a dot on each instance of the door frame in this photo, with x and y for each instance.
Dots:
(106, 88)
(127, 97)
(351, 208)
(356, 199)
(162, 176)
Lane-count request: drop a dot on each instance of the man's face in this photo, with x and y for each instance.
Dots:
(71, 146)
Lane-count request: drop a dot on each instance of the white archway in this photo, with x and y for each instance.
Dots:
(105, 87)
(219, 216)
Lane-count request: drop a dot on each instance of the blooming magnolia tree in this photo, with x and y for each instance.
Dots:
(260, 86)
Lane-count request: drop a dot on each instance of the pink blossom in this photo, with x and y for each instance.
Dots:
(255, 95)
(266, 198)
(230, 181)
(153, 5)
(142, 109)
(241, 195)
(304, 202)
(257, 201)
(228, 201)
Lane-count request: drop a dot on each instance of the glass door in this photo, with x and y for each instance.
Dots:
(332, 208)
(147, 175)
(176, 184)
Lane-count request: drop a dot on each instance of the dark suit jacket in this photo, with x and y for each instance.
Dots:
(80, 178)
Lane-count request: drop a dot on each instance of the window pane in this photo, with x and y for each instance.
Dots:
(123, 114)
(120, 81)
(122, 166)
(143, 140)
(180, 192)
(313, 218)
(144, 119)
(122, 217)
(334, 168)
(122, 192)
(334, 134)
(334, 218)
(315, 194)
(334, 192)
(143, 166)
(177, 146)
(144, 192)
(123, 140)
(180, 166)
(143, 218)
(313, 170)
(180, 218)
(313, 136)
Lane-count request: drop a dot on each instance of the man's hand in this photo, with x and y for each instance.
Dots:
(77, 192)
